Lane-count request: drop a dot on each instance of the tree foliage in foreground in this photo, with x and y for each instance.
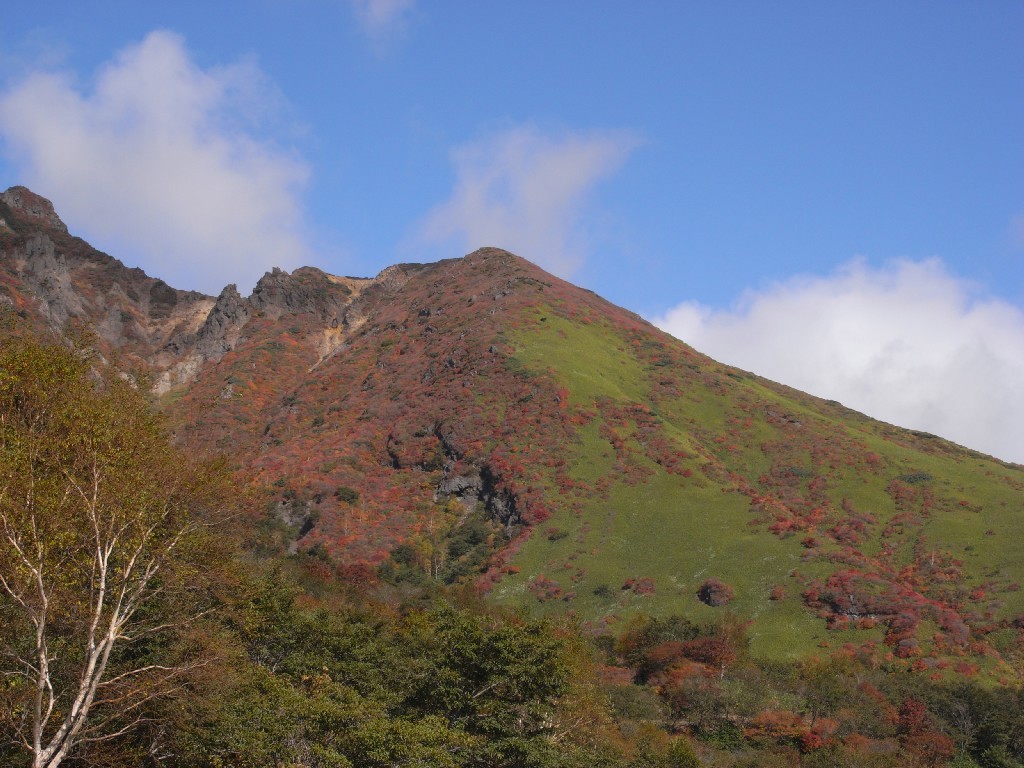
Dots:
(426, 686)
(100, 552)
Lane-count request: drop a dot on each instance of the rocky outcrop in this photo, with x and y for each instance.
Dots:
(479, 484)
(186, 354)
(476, 484)
(162, 300)
(175, 333)
(63, 279)
(306, 290)
(31, 205)
(46, 273)
(223, 326)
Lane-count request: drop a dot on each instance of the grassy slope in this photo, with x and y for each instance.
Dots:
(679, 530)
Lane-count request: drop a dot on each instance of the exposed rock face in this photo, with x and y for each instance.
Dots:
(219, 333)
(499, 502)
(480, 484)
(222, 327)
(47, 274)
(30, 204)
(174, 334)
(306, 290)
(477, 484)
(162, 300)
(57, 279)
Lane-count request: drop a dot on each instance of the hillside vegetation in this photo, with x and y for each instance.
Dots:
(489, 422)
(705, 554)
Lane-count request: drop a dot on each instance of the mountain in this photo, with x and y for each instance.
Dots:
(479, 419)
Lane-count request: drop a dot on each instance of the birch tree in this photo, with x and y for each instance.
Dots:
(98, 543)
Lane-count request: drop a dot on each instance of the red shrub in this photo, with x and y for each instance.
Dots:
(930, 747)
(714, 651)
(715, 593)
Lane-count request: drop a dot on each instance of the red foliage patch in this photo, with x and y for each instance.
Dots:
(641, 586)
(715, 592)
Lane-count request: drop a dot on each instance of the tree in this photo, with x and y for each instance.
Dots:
(682, 755)
(100, 551)
(499, 679)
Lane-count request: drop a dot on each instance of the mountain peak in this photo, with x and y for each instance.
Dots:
(481, 420)
(28, 203)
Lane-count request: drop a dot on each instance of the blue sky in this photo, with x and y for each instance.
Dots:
(830, 194)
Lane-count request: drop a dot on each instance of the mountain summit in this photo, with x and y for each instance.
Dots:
(480, 420)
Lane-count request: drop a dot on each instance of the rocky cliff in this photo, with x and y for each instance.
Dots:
(62, 283)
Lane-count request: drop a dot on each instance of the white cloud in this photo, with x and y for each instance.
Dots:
(907, 343)
(383, 20)
(157, 164)
(525, 192)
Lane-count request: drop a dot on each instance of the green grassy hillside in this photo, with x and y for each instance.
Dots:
(831, 528)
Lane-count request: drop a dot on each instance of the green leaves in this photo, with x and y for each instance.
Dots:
(102, 524)
(439, 687)
(500, 679)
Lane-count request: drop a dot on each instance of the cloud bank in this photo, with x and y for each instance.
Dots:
(907, 343)
(158, 163)
(524, 191)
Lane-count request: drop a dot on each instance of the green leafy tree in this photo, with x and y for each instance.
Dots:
(492, 677)
(682, 755)
(100, 552)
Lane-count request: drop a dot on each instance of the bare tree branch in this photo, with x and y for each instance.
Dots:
(93, 519)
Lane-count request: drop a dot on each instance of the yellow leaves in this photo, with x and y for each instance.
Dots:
(96, 515)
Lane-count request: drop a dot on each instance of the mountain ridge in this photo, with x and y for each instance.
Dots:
(479, 419)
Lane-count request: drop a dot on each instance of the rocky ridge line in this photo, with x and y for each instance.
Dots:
(174, 334)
